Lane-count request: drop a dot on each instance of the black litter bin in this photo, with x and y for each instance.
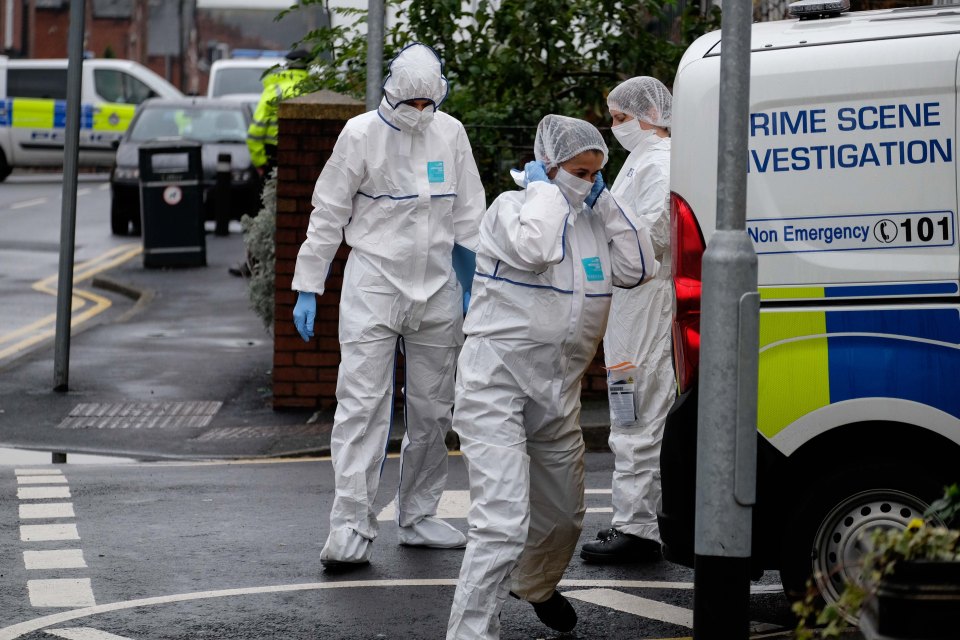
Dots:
(171, 205)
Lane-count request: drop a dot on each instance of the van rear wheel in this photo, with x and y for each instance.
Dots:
(830, 532)
(5, 168)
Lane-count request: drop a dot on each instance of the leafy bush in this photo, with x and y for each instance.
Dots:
(511, 62)
(259, 236)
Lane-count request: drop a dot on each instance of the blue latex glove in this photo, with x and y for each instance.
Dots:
(303, 314)
(596, 190)
(464, 264)
(535, 171)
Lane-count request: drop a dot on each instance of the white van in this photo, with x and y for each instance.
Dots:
(240, 76)
(852, 209)
(33, 111)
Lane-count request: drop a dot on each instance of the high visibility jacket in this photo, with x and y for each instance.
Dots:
(263, 130)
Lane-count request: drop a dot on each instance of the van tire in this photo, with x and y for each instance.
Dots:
(5, 168)
(822, 537)
(119, 222)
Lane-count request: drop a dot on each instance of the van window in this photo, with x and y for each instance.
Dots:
(37, 83)
(117, 86)
(237, 80)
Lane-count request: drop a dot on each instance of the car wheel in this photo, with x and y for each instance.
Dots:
(5, 168)
(119, 222)
(829, 534)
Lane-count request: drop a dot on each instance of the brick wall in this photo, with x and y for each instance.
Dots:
(305, 374)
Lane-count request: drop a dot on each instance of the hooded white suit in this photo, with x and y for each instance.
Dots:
(545, 274)
(401, 187)
(640, 319)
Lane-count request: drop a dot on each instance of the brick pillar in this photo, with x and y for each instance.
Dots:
(305, 374)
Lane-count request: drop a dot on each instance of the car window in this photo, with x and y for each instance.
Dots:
(37, 83)
(202, 124)
(118, 86)
(237, 80)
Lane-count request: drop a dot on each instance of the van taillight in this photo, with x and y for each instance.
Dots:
(687, 247)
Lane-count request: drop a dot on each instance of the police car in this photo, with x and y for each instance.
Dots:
(33, 109)
(852, 210)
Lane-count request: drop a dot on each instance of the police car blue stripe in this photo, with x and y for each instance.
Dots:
(59, 114)
(86, 116)
(883, 290)
(907, 354)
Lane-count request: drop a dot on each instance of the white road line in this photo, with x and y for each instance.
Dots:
(593, 491)
(85, 633)
(453, 504)
(635, 605)
(21, 629)
(61, 592)
(37, 510)
(38, 472)
(41, 480)
(48, 532)
(84, 191)
(456, 504)
(42, 493)
(28, 203)
(55, 559)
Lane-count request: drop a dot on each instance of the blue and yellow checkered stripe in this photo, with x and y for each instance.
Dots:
(810, 359)
(30, 113)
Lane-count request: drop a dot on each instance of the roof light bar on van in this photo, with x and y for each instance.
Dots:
(814, 9)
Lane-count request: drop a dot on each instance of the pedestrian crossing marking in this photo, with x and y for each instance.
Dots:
(38, 479)
(54, 559)
(61, 592)
(48, 532)
(42, 493)
(38, 510)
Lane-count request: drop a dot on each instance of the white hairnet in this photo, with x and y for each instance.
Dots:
(644, 98)
(416, 73)
(560, 138)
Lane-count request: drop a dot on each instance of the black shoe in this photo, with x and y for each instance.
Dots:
(603, 534)
(556, 612)
(621, 548)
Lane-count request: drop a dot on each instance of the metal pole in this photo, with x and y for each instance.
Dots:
(374, 53)
(68, 209)
(727, 427)
(8, 25)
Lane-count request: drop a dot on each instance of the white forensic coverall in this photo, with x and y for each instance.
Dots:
(545, 274)
(638, 332)
(400, 188)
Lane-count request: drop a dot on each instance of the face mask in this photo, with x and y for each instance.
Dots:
(630, 135)
(574, 189)
(409, 118)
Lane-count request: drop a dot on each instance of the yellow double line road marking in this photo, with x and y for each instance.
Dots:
(87, 303)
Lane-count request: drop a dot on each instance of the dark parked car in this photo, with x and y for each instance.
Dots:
(219, 125)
